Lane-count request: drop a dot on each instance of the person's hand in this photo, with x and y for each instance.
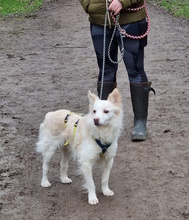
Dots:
(115, 7)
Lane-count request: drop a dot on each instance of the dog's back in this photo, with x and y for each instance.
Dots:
(58, 127)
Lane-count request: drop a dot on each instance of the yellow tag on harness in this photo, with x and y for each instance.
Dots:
(102, 155)
(66, 143)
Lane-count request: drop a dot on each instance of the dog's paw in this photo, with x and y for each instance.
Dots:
(108, 192)
(65, 180)
(93, 201)
(45, 183)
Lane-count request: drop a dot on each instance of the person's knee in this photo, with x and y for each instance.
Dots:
(109, 76)
(136, 77)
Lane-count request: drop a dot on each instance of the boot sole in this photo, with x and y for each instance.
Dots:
(138, 138)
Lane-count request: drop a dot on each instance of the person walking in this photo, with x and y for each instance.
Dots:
(132, 20)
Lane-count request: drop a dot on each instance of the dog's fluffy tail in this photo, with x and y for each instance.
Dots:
(42, 143)
(46, 143)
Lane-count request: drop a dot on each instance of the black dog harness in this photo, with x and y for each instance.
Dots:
(104, 147)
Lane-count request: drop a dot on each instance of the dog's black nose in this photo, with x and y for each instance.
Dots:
(96, 121)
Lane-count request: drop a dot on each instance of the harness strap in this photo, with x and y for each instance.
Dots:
(104, 147)
(75, 126)
(66, 119)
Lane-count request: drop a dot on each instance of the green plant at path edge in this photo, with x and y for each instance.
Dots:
(19, 7)
(179, 8)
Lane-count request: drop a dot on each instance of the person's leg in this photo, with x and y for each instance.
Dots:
(110, 69)
(139, 85)
(133, 53)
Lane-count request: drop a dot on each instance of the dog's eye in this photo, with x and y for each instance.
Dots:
(106, 111)
(94, 111)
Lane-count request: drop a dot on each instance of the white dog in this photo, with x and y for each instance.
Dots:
(90, 139)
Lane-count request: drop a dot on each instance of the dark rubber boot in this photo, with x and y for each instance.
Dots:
(139, 98)
(108, 87)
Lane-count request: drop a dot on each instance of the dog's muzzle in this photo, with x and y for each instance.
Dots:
(96, 121)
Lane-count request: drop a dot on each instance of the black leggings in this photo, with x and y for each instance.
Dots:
(133, 52)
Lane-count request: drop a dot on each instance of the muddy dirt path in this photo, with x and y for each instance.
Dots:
(47, 62)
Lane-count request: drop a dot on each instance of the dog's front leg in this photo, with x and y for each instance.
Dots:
(105, 177)
(86, 169)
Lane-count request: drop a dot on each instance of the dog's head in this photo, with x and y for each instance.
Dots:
(105, 112)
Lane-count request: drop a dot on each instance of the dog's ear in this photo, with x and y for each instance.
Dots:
(92, 97)
(115, 97)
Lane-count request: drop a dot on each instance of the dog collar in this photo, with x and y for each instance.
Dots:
(104, 147)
